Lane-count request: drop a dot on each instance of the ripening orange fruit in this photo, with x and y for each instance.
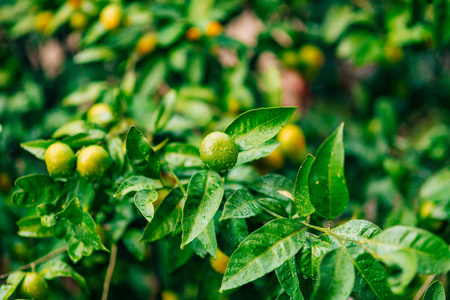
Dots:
(42, 20)
(193, 34)
(214, 29)
(219, 264)
(75, 3)
(146, 44)
(111, 16)
(293, 142)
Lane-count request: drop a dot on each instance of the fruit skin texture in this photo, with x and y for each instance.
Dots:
(111, 16)
(219, 152)
(219, 264)
(60, 160)
(292, 141)
(34, 287)
(92, 162)
(101, 114)
(146, 44)
(214, 29)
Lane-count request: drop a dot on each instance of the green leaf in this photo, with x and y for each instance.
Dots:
(94, 54)
(327, 186)
(86, 233)
(336, 276)
(37, 147)
(35, 189)
(301, 189)
(437, 187)
(13, 281)
(71, 128)
(73, 211)
(144, 202)
(288, 276)
(132, 242)
(32, 227)
(401, 267)
(135, 184)
(232, 233)
(204, 195)
(141, 156)
(208, 239)
(164, 111)
(435, 291)
(76, 249)
(85, 94)
(155, 76)
(170, 34)
(272, 184)
(166, 217)
(312, 253)
(85, 138)
(432, 252)
(264, 250)
(182, 156)
(241, 204)
(56, 268)
(257, 152)
(258, 125)
(357, 230)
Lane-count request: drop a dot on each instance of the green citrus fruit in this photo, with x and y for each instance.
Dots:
(34, 287)
(92, 162)
(60, 160)
(101, 114)
(219, 152)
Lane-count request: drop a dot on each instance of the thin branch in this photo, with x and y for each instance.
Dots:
(177, 180)
(38, 261)
(110, 271)
(424, 287)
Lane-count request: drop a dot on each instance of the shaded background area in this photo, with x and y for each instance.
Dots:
(382, 67)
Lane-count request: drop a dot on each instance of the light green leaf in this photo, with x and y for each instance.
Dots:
(241, 204)
(301, 189)
(264, 250)
(56, 268)
(432, 252)
(73, 211)
(71, 128)
(182, 155)
(85, 94)
(140, 155)
(435, 291)
(288, 276)
(94, 54)
(272, 184)
(164, 111)
(437, 187)
(144, 202)
(312, 253)
(13, 281)
(171, 33)
(204, 195)
(76, 249)
(257, 152)
(32, 227)
(37, 147)
(327, 186)
(336, 276)
(135, 184)
(86, 233)
(401, 267)
(208, 239)
(258, 125)
(166, 217)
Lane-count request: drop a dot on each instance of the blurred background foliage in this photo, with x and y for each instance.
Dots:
(380, 66)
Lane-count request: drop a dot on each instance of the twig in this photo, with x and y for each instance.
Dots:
(177, 180)
(110, 271)
(38, 261)
(424, 287)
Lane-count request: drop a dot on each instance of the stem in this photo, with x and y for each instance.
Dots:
(424, 287)
(38, 261)
(109, 272)
(272, 213)
(180, 185)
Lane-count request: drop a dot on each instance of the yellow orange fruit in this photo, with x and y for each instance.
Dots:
(193, 34)
(292, 141)
(219, 264)
(213, 29)
(111, 16)
(147, 43)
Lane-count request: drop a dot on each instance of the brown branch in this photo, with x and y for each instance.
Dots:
(110, 271)
(38, 261)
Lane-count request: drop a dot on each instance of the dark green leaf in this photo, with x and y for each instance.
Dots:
(288, 276)
(141, 156)
(241, 204)
(86, 233)
(301, 190)
(272, 184)
(132, 242)
(327, 186)
(76, 249)
(336, 276)
(166, 217)
(312, 253)
(208, 239)
(73, 212)
(264, 250)
(56, 268)
(435, 291)
(258, 125)
(204, 195)
(35, 189)
(257, 152)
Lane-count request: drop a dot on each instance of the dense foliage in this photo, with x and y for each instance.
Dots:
(159, 149)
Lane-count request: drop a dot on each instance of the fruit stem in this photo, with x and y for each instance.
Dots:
(38, 261)
(110, 271)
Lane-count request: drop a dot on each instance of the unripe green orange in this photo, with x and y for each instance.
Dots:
(92, 162)
(219, 152)
(111, 16)
(34, 287)
(101, 114)
(60, 160)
